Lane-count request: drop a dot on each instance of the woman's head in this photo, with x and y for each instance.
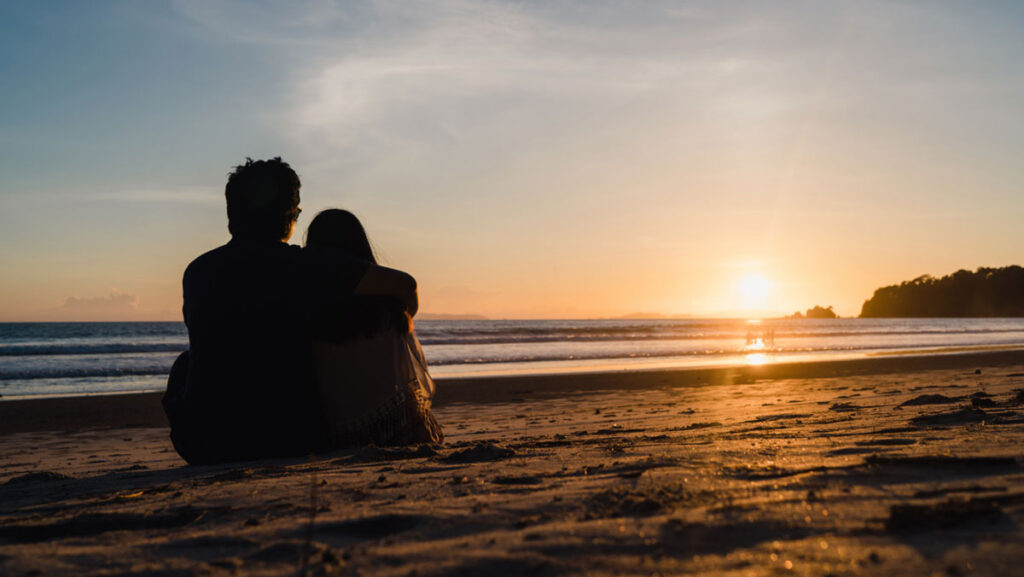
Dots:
(340, 229)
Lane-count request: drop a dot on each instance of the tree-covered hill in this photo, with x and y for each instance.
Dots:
(986, 292)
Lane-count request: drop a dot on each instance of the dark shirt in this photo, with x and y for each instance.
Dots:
(250, 389)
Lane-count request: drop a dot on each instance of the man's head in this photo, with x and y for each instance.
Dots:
(263, 199)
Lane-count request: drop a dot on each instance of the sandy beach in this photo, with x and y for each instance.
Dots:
(888, 466)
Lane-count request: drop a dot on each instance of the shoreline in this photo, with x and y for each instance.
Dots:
(132, 410)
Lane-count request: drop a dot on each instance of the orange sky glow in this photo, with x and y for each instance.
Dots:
(521, 160)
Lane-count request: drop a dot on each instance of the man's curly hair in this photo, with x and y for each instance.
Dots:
(263, 199)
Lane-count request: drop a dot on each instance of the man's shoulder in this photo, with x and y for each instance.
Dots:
(209, 259)
(244, 252)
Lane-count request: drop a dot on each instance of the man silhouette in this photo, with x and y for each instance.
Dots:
(245, 389)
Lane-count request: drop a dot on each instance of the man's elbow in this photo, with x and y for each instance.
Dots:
(409, 285)
(390, 282)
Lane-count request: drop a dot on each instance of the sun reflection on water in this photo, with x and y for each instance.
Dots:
(755, 359)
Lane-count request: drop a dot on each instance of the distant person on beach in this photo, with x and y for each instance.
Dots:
(371, 373)
(246, 388)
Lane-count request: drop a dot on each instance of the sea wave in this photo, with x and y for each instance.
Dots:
(81, 372)
(474, 333)
(529, 356)
(56, 349)
(625, 335)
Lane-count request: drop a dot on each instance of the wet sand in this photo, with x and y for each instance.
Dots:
(906, 466)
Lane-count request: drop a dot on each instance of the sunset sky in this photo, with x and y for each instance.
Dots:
(521, 159)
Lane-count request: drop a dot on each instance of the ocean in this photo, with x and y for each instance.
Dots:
(69, 359)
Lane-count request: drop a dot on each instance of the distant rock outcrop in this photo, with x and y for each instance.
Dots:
(449, 317)
(818, 312)
(987, 292)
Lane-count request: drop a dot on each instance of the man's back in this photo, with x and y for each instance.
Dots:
(249, 390)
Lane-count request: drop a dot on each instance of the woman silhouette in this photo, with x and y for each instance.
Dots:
(371, 373)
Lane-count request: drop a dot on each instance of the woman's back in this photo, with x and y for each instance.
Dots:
(371, 374)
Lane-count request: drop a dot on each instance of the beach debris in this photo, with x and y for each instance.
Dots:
(933, 399)
(37, 477)
(950, 514)
(480, 452)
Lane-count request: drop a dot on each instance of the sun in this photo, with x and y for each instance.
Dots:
(754, 290)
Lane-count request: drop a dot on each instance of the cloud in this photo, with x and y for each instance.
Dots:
(115, 306)
(393, 87)
(472, 72)
(188, 195)
(116, 300)
(376, 81)
(202, 195)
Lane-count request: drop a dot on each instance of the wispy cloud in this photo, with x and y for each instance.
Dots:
(376, 81)
(115, 306)
(189, 195)
(115, 302)
(206, 195)
(475, 71)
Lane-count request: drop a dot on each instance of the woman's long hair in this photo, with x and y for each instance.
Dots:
(340, 229)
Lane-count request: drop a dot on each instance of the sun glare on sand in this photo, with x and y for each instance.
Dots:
(754, 290)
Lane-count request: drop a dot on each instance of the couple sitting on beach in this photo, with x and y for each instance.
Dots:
(294, 350)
